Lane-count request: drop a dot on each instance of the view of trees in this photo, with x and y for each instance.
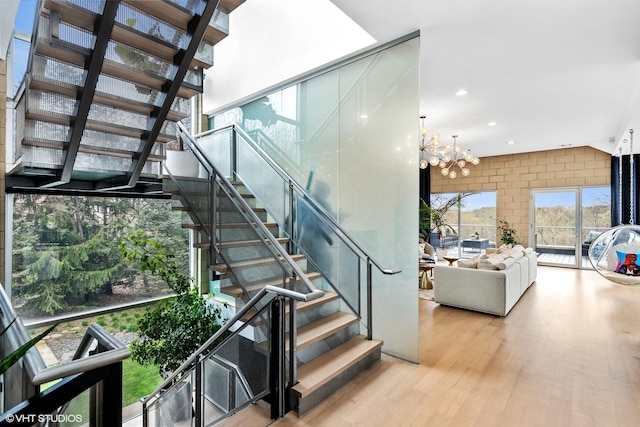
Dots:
(555, 225)
(555, 222)
(473, 217)
(66, 257)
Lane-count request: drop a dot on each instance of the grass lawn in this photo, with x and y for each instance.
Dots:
(137, 382)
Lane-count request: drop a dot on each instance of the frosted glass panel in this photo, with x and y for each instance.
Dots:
(377, 176)
(217, 146)
(354, 130)
(263, 182)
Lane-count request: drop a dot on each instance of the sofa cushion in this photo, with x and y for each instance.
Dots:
(468, 263)
(489, 262)
(505, 263)
(513, 253)
(503, 247)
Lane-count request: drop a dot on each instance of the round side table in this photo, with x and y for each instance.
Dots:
(451, 260)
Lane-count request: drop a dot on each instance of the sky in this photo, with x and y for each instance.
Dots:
(590, 196)
(26, 12)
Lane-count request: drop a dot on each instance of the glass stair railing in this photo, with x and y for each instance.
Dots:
(107, 82)
(254, 244)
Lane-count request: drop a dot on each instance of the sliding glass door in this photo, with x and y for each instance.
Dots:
(566, 221)
(555, 226)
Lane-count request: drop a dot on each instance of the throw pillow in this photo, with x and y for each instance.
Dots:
(591, 236)
(513, 253)
(489, 262)
(627, 263)
(468, 263)
(519, 248)
(506, 263)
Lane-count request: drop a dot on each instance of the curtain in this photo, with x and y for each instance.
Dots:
(425, 184)
(621, 197)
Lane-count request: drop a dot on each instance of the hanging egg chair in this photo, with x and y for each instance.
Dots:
(615, 254)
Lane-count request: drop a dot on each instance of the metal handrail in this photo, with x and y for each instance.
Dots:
(205, 348)
(247, 212)
(34, 364)
(115, 352)
(353, 244)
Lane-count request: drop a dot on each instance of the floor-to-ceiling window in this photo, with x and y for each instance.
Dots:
(566, 221)
(65, 255)
(468, 222)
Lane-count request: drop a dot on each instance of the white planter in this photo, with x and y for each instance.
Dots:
(182, 163)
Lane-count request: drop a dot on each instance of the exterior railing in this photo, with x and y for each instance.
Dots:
(562, 236)
(96, 366)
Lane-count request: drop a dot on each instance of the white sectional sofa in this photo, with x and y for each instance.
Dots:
(489, 283)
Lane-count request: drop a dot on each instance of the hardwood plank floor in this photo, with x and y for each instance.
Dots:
(568, 354)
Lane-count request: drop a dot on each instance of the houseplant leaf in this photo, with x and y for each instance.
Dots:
(12, 358)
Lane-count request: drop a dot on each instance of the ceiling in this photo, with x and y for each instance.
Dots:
(550, 73)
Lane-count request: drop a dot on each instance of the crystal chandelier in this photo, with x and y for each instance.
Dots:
(449, 156)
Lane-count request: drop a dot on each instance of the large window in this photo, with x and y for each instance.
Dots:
(468, 216)
(66, 257)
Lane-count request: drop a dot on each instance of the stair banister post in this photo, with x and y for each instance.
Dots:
(276, 371)
(369, 300)
(292, 218)
(293, 342)
(234, 154)
(198, 397)
(213, 207)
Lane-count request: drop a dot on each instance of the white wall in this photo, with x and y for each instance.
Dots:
(9, 10)
(271, 41)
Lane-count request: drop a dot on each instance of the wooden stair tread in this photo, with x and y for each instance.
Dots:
(241, 243)
(316, 331)
(319, 371)
(244, 224)
(253, 415)
(302, 305)
(223, 268)
(308, 305)
(230, 209)
(236, 291)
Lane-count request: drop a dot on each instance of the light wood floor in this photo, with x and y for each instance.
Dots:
(568, 354)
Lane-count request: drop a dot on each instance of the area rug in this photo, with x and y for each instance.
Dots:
(425, 294)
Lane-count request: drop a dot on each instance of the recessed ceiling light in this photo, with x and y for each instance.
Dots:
(511, 142)
(364, 116)
(462, 92)
(492, 124)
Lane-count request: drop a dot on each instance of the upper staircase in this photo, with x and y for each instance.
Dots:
(106, 83)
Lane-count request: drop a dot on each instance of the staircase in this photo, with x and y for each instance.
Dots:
(330, 351)
(106, 83)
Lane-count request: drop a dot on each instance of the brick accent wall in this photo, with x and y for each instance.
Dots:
(513, 176)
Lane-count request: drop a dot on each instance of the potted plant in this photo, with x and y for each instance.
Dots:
(175, 327)
(15, 355)
(508, 233)
(432, 218)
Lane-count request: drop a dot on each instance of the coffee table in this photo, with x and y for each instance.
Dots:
(451, 260)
